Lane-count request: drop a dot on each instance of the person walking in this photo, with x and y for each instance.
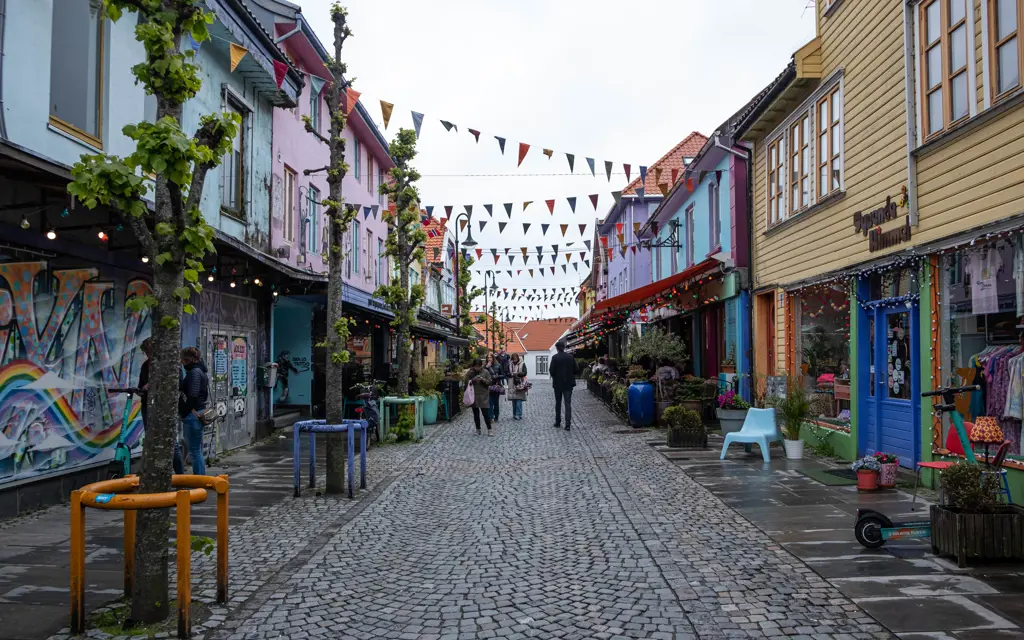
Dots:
(480, 378)
(497, 388)
(517, 386)
(195, 392)
(147, 350)
(563, 378)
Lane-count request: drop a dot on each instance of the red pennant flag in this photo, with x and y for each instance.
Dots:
(551, 206)
(618, 228)
(552, 273)
(476, 134)
(604, 240)
(593, 200)
(610, 254)
(634, 251)
(496, 257)
(675, 174)
(626, 167)
(281, 69)
(523, 150)
(448, 209)
(351, 97)
(518, 271)
(479, 253)
(689, 184)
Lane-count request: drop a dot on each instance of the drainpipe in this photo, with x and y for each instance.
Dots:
(291, 33)
(909, 60)
(3, 28)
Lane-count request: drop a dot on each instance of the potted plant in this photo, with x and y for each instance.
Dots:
(793, 411)
(973, 523)
(867, 469)
(690, 394)
(890, 470)
(731, 411)
(664, 392)
(729, 364)
(427, 383)
(620, 399)
(685, 428)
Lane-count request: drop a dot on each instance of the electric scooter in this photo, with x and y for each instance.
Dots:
(873, 528)
(121, 465)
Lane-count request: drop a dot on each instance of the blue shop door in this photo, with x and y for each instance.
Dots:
(891, 408)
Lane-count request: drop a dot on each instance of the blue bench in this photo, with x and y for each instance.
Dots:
(314, 427)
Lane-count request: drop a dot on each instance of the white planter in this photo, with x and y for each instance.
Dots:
(794, 449)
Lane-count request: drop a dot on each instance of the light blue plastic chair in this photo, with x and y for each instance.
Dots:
(758, 428)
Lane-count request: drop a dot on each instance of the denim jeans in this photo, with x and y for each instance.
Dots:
(517, 408)
(495, 405)
(193, 430)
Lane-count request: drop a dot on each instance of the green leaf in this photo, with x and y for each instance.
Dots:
(161, 258)
(168, 322)
(189, 309)
(182, 293)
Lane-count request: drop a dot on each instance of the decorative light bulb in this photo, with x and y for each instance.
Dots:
(25, 224)
(210, 277)
(233, 284)
(102, 235)
(51, 235)
(145, 259)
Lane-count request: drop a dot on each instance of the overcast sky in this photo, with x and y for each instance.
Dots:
(607, 79)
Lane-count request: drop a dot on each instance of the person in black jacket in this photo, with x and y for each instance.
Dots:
(195, 392)
(147, 349)
(563, 378)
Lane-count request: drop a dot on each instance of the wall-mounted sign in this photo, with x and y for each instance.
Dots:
(870, 225)
(446, 308)
(239, 369)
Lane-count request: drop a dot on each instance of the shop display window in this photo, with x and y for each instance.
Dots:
(822, 347)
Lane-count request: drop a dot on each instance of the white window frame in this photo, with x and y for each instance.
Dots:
(313, 196)
(538, 361)
(357, 154)
(355, 246)
(782, 133)
(689, 246)
(289, 203)
(715, 216)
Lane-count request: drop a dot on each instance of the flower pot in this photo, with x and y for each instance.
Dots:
(728, 368)
(991, 536)
(680, 439)
(887, 477)
(794, 449)
(731, 419)
(640, 406)
(659, 410)
(430, 404)
(693, 405)
(867, 480)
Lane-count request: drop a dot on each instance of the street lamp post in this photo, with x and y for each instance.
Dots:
(470, 242)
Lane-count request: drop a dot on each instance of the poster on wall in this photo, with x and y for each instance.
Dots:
(220, 358)
(239, 366)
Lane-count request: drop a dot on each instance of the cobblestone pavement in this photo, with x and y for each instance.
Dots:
(533, 533)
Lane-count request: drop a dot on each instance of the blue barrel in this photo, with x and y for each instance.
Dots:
(641, 404)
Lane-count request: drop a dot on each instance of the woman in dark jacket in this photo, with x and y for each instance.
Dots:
(195, 391)
(497, 382)
(480, 378)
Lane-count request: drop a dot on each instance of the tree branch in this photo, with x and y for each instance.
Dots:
(322, 138)
(308, 172)
(144, 235)
(195, 192)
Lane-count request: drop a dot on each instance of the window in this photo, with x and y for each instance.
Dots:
(76, 70)
(775, 211)
(829, 143)
(380, 181)
(689, 236)
(233, 187)
(944, 77)
(673, 248)
(357, 154)
(313, 218)
(542, 365)
(381, 268)
(367, 250)
(1005, 50)
(716, 217)
(369, 173)
(799, 165)
(289, 205)
(355, 246)
(314, 109)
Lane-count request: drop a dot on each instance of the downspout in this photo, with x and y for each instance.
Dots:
(910, 75)
(291, 33)
(3, 28)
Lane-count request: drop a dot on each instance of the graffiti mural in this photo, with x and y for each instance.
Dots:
(66, 335)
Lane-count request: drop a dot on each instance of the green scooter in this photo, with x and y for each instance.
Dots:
(121, 465)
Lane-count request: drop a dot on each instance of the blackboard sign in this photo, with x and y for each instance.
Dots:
(775, 387)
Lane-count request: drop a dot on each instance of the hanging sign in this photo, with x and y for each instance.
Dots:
(870, 225)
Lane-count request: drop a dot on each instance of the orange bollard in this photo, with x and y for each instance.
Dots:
(77, 563)
(184, 550)
(129, 551)
(222, 544)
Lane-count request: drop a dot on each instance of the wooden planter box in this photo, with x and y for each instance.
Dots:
(995, 536)
(687, 440)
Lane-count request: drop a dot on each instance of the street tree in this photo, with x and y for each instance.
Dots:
(467, 295)
(339, 217)
(404, 246)
(173, 234)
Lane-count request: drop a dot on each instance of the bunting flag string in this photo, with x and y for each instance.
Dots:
(590, 163)
(386, 109)
(501, 143)
(476, 134)
(523, 150)
(417, 122)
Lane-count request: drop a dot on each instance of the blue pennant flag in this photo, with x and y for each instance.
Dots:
(430, 210)
(490, 209)
(417, 122)
(508, 209)
(366, 212)
(375, 208)
(191, 42)
(643, 176)
(501, 143)
(572, 204)
(590, 163)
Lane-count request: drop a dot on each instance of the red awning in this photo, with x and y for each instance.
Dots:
(641, 297)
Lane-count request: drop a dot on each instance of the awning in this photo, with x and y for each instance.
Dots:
(434, 333)
(645, 295)
(269, 261)
(456, 341)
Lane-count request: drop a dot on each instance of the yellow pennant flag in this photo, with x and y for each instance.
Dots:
(636, 227)
(237, 53)
(385, 109)
(526, 204)
(462, 224)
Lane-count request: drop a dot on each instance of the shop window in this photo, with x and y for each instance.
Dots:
(542, 365)
(823, 336)
(76, 70)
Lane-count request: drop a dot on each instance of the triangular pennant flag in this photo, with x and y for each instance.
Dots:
(490, 209)
(583, 229)
(634, 249)
(448, 210)
(590, 163)
(316, 83)
(636, 227)
(587, 262)
(386, 109)
(351, 98)
(675, 175)
(523, 249)
(366, 212)
(237, 53)
(583, 255)
(551, 206)
(643, 175)
(689, 184)
(540, 251)
(479, 253)
(572, 160)
(663, 188)
(587, 243)
(657, 174)
(494, 252)
(462, 224)
(523, 150)
(622, 251)
(572, 204)
(417, 122)
(526, 227)
(526, 204)
(568, 256)
(554, 248)
(565, 228)
(576, 267)
(640, 192)
(430, 211)
(508, 209)
(506, 248)
(501, 143)
(469, 209)
(554, 258)
(544, 229)
(604, 241)
(191, 43)
(531, 272)
(618, 228)
(548, 153)
(511, 259)
(564, 269)
(617, 195)
(552, 273)
(718, 176)
(501, 226)
(449, 126)
(627, 168)
(608, 169)
(526, 259)
(593, 200)
(483, 223)
(510, 273)
(476, 134)
(374, 208)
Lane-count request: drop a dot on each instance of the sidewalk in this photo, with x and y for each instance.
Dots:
(902, 585)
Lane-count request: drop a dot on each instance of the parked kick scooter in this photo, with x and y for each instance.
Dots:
(121, 465)
(873, 529)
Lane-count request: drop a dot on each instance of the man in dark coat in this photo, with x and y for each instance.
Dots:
(563, 378)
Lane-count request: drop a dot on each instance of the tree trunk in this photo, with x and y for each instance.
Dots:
(335, 399)
(404, 356)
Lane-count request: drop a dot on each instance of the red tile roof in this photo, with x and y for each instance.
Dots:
(541, 335)
(688, 148)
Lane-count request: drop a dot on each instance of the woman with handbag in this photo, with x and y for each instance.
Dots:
(480, 379)
(195, 392)
(497, 388)
(517, 386)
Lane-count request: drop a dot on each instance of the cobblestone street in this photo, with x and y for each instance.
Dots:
(537, 533)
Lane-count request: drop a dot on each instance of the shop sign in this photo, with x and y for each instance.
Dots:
(643, 315)
(870, 224)
(446, 308)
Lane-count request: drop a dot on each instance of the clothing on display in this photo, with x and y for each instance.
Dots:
(982, 266)
(1000, 372)
(1018, 272)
